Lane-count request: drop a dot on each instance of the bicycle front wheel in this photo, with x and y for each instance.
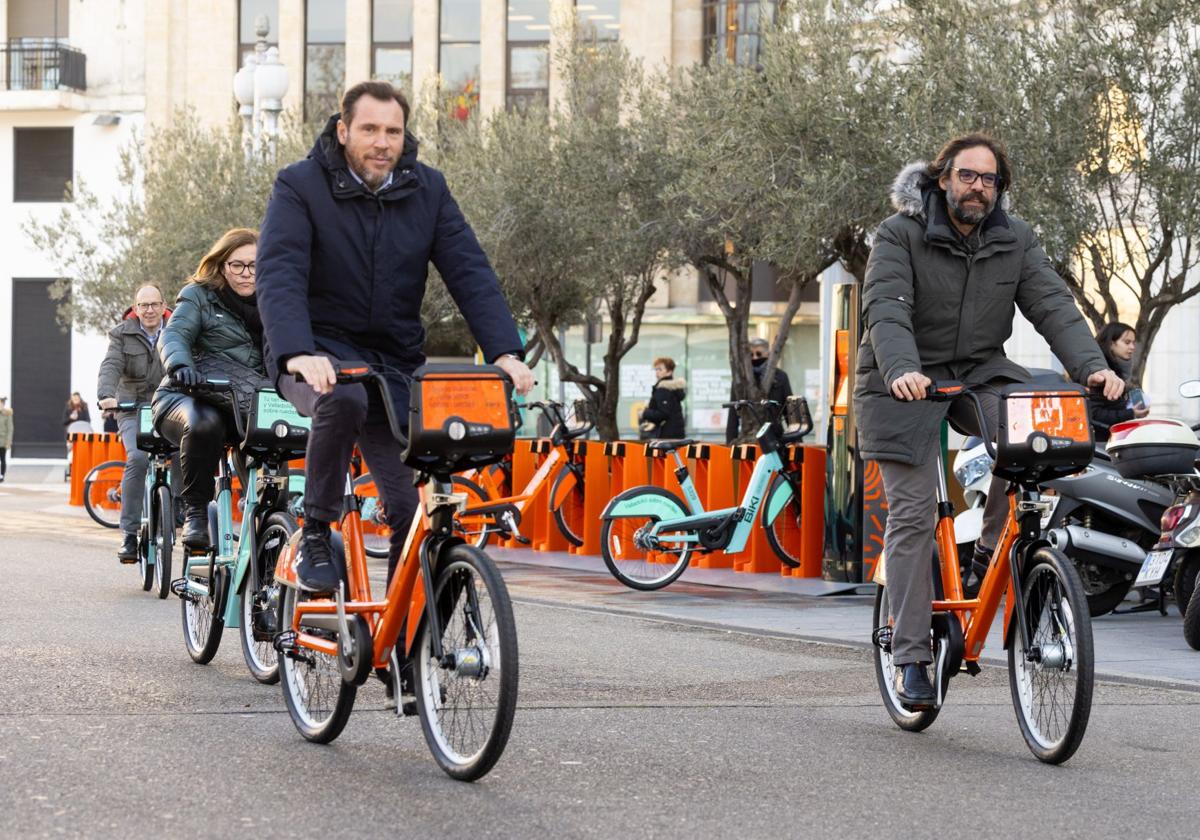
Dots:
(623, 539)
(102, 493)
(566, 496)
(467, 700)
(318, 700)
(1050, 674)
(783, 534)
(164, 539)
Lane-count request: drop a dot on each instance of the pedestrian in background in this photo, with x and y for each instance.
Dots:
(663, 417)
(76, 411)
(1117, 342)
(6, 434)
(130, 372)
(779, 390)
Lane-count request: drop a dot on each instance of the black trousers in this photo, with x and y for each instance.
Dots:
(352, 414)
(3, 460)
(200, 430)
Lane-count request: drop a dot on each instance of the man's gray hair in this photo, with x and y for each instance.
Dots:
(759, 342)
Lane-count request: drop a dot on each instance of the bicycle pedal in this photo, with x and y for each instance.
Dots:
(971, 667)
(408, 708)
(284, 642)
(882, 638)
(179, 588)
(523, 540)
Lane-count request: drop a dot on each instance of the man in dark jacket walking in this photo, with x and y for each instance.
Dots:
(130, 372)
(944, 275)
(343, 258)
(780, 390)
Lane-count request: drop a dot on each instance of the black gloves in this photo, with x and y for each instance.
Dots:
(186, 376)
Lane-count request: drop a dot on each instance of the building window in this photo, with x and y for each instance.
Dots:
(43, 163)
(324, 57)
(599, 20)
(38, 22)
(528, 53)
(733, 29)
(391, 36)
(458, 59)
(248, 12)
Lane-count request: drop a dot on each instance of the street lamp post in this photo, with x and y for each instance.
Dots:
(259, 87)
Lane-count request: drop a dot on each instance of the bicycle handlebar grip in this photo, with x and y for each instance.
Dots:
(945, 390)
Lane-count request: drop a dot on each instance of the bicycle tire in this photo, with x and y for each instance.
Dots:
(1049, 583)
(297, 679)
(478, 535)
(204, 618)
(451, 694)
(164, 544)
(622, 556)
(376, 534)
(258, 583)
(102, 493)
(885, 674)
(146, 535)
(786, 527)
(1191, 621)
(568, 514)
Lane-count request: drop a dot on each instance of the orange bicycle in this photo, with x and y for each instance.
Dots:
(1043, 434)
(445, 626)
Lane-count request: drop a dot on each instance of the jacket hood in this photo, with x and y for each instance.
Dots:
(130, 315)
(911, 186)
(330, 153)
(672, 384)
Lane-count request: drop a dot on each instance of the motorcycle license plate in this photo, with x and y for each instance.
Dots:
(1154, 567)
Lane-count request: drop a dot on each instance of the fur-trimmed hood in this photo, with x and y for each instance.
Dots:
(908, 191)
(672, 384)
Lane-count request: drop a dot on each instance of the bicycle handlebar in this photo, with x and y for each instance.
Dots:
(349, 373)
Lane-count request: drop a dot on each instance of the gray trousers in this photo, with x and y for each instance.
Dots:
(909, 537)
(133, 483)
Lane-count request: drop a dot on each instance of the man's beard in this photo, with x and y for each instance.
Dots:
(970, 215)
(369, 178)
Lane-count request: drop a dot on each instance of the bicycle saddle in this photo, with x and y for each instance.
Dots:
(668, 445)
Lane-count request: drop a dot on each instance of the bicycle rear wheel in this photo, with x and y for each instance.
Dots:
(204, 615)
(1050, 674)
(259, 591)
(467, 701)
(783, 534)
(629, 562)
(146, 536)
(164, 539)
(567, 501)
(102, 493)
(318, 700)
(885, 670)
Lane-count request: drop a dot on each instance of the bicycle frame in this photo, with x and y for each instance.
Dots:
(666, 530)
(408, 593)
(158, 475)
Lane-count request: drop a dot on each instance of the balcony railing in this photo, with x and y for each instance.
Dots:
(42, 66)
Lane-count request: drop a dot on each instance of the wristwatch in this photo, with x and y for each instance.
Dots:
(507, 356)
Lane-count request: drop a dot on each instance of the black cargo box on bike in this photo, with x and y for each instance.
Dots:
(460, 417)
(1044, 432)
(274, 425)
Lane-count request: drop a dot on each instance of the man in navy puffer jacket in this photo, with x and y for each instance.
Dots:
(342, 262)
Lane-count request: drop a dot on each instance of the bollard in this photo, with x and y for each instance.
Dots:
(79, 457)
(713, 477)
(544, 534)
(596, 493)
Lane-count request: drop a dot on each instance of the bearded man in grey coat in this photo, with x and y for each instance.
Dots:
(944, 277)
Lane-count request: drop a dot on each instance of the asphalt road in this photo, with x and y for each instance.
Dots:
(628, 727)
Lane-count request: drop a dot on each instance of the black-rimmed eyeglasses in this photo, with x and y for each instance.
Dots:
(991, 180)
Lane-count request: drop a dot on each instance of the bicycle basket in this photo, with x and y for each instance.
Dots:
(1044, 433)
(275, 425)
(460, 416)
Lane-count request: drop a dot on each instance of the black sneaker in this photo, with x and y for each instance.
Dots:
(315, 571)
(913, 687)
(129, 549)
(195, 528)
